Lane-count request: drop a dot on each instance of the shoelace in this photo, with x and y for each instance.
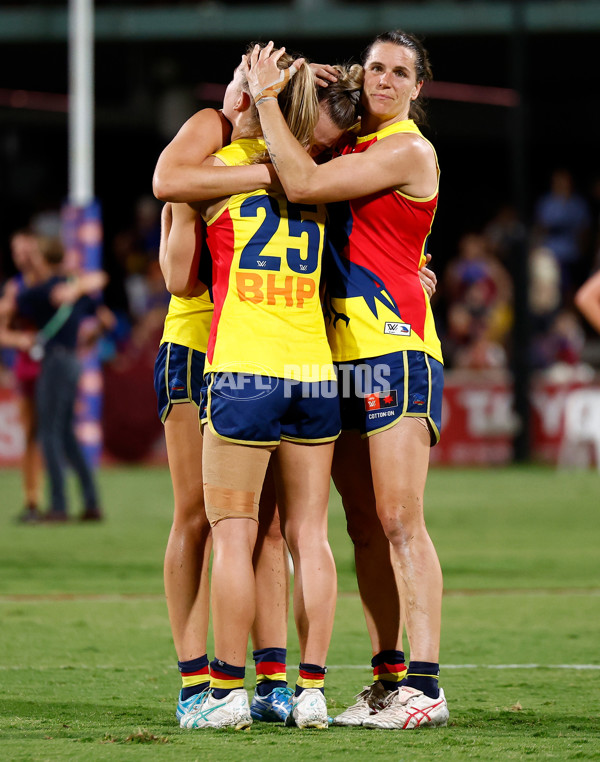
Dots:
(282, 695)
(397, 698)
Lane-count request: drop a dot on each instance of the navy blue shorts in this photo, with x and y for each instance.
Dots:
(178, 373)
(375, 393)
(262, 410)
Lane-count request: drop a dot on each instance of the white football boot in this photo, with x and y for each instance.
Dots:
(369, 701)
(409, 708)
(233, 711)
(309, 710)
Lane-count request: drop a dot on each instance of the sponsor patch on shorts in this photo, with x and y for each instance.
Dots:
(379, 400)
(397, 329)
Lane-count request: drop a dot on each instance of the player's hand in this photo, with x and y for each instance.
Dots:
(275, 184)
(428, 278)
(265, 79)
(324, 74)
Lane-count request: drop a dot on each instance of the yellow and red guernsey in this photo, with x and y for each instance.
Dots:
(267, 256)
(375, 303)
(188, 321)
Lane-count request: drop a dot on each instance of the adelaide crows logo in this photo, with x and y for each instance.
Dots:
(346, 279)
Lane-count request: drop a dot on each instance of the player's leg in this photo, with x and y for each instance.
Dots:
(375, 574)
(233, 479)
(377, 585)
(272, 701)
(303, 479)
(399, 464)
(187, 554)
(178, 372)
(271, 571)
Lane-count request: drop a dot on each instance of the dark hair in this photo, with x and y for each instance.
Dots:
(342, 98)
(422, 63)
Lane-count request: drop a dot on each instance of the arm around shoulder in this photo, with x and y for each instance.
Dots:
(178, 176)
(404, 162)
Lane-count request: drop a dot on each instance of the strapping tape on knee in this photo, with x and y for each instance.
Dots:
(226, 503)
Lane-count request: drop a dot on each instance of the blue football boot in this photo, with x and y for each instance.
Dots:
(274, 707)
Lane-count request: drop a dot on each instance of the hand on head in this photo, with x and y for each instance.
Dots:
(324, 74)
(265, 79)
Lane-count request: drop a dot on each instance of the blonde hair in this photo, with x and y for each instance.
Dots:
(298, 102)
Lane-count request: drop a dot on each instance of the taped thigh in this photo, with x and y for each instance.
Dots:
(233, 478)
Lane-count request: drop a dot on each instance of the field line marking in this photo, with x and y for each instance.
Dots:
(121, 668)
(485, 666)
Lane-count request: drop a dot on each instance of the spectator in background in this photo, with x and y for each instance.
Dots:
(128, 376)
(562, 225)
(504, 231)
(545, 303)
(561, 345)
(57, 307)
(16, 333)
(479, 315)
(136, 249)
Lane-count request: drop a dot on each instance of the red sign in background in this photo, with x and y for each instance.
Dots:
(479, 421)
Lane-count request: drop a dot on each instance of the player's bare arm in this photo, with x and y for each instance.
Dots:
(176, 175)
(181, 176)
(180, 246)
(403, 161)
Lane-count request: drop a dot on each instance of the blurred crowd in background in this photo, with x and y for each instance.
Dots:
(474, 299)
(474, 303)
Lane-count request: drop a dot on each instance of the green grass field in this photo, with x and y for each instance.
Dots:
(88, 670)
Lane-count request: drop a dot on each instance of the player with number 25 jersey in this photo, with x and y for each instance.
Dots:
(267, 266)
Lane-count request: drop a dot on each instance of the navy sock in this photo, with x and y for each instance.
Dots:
(423, 675)
(225, 678)
(194, 676)
(310, 676)
(389, 668)
(270, 669)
